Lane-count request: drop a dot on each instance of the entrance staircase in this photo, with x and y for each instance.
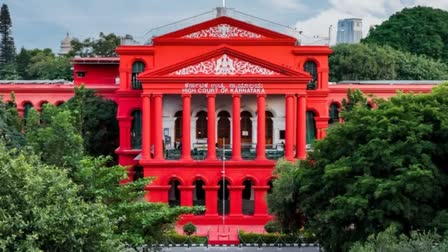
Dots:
(223, 235)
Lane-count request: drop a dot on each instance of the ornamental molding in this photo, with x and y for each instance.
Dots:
(224, 65)
(223, 31)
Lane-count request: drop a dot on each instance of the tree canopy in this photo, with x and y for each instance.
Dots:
(103, 47)
(379, 168)
(419, 30)
(374, 62)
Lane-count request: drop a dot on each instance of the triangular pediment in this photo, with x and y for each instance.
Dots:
(225, 62)
(224, 28)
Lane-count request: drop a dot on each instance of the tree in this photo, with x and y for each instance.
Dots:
(7, 47)
(10, 124)
(52, 135)
(40, 209)
(419, 30)
(103, 47)
(45, 65)
(381, 167)
(95, 121)
(374, 62)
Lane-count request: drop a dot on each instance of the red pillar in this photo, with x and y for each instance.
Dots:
(125, 132)
(211, 200)
(261, 124)
(211, 131)
(289, 123)
(261, 206)
(236, 200)
(186, 127)
(236, 125)
(186, 195)
(158, 124)
(301, 127)
(157, 193)
(146, 133)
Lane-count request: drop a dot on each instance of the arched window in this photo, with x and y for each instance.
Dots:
(201, 125)
(223, 197)
(174, 193)
(269, 127)
(248, 197)
(334, 113)
(136, 130)
(310, 127)
(26, 109)
(246, 129)
(42, 104)
(137, 68)
(311, 68)
(198, 193)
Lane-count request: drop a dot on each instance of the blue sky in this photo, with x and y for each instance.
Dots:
(43, 23)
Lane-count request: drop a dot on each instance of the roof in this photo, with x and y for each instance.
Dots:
(96, 60)
(35, 82)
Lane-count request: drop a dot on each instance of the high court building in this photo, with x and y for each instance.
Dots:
(207, 110)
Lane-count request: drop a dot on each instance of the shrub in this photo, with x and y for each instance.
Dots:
(189, 228)
(175, 238)
(272, 227)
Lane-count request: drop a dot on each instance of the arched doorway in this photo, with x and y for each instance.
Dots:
(26, 109)
(198, 193)
(174, 193)
(178, 130)
(201, 125)
(223, 128)
(223, 197)
(248, 197)
(269, 128)
(246, 129)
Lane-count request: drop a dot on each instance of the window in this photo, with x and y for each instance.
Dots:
(311, 68)
(136, 130)
(137, 68)
(26, 109)
(282, 135)
(201, 125)
(81, 74)
(310, 127)
(334, 113)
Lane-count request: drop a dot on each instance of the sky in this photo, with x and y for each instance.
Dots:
(44, 23)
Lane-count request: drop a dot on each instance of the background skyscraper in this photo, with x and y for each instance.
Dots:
(349, 31)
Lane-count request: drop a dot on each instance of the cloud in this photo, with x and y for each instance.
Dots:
(295, 5)
(315, 29)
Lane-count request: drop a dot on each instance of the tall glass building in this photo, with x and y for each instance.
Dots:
(349, 31)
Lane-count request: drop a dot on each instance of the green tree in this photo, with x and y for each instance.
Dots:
(381, 167)
(419, 30)
(104, 46)
(52, 135)
(389, 241)
(40, 209)
(374, 62)
(7, 47)
(10, 124)
(45, 65)
(95, 120)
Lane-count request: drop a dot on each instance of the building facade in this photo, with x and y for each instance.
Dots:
(208, 110)
(349, 31)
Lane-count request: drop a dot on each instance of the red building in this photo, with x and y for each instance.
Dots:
(207, 110)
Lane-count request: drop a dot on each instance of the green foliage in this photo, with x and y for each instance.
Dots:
(419, 30)
(272, 227)
(354, 98)
(271, 238)
(138, 221)
(40, 209)
(189, 228)
(95, 120)
(52, 135)
(282, 201)
(175, 238)
(389, 241)
(10, 124)
(381, 167)
(104, 46)
(376, 62)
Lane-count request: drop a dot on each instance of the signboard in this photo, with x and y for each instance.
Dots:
(223, 88)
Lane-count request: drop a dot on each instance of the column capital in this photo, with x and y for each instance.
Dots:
(157, 95)
(186, 95)
(211, 188)
(186, 188)
(289, 95)
(124, 118)
(146, 95)
(210, 95)
(261, 95)
(236, 95)
(235, 188)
